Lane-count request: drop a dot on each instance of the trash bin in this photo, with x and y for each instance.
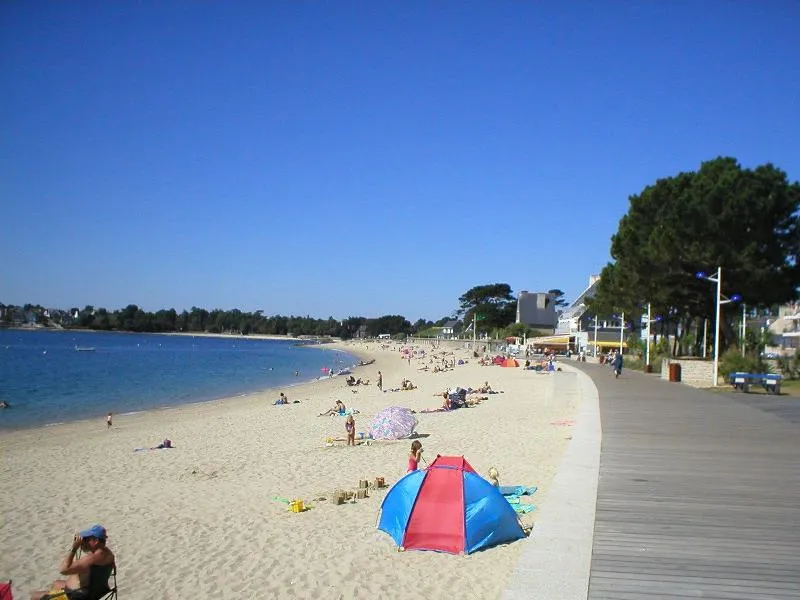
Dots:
(648, 368)
(674, 371)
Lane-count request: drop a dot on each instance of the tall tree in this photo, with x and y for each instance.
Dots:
(392, 324)
(558, 298)
(744, 220)
(493, 304)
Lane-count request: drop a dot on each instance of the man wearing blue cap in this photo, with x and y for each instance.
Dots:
(87, 577)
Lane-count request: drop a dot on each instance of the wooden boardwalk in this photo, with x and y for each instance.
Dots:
(699, 493)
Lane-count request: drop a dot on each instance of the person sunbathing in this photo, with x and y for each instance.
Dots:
(87, 577)
(485, 388)
(338, 409)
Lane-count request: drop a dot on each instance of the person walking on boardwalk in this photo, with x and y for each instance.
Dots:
(617, 364)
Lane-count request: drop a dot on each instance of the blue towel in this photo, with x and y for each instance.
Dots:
(517, 490)
(346, 413)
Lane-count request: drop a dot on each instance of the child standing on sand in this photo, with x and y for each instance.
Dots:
(108, 421)
(414, 456)
(350, 427)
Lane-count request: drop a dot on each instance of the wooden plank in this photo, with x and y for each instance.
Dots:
(699, 494)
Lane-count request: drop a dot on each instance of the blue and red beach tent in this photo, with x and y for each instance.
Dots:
(447, 507)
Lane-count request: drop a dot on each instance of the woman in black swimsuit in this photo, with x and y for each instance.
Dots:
(87, 576)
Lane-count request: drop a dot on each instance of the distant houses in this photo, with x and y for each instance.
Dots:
(578, 330)
(33, 316)
(785, 328)
(448, 330)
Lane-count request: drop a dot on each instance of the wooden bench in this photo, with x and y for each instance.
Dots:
(770, 382)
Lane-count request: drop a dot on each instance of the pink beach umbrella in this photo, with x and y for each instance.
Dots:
(393, 423)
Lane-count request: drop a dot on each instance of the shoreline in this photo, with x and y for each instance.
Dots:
(334, 346)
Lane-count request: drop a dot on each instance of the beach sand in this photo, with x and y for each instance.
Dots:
(200, 520)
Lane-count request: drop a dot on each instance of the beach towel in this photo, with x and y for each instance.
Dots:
(517, 490)
(347, 413)
(520, 507)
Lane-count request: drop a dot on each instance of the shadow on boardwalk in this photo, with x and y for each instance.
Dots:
(699, 493)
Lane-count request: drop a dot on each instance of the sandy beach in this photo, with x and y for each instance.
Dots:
(200, 520)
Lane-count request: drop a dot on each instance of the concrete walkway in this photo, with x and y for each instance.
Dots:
(555, 563)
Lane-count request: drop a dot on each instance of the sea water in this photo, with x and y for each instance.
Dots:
(57, 376)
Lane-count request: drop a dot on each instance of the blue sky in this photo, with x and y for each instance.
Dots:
(362, 158)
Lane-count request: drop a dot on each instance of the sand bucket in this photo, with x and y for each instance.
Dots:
(379, 482)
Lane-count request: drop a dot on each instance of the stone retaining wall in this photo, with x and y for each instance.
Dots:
(696, 373)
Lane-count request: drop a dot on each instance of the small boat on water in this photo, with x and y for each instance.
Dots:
(84, 349)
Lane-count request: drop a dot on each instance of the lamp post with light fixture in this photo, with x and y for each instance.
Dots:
(719, 303)
(648, 320)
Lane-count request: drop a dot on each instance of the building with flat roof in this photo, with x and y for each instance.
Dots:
(537, 310)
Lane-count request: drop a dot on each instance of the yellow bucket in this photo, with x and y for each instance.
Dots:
(296, 506)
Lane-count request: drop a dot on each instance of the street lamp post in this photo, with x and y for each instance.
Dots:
(649, 320)
(705, 336)
(720, 302)
(744, 328)
(647, 341)
(621, 331)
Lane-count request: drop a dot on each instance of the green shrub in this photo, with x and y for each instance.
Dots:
(637, 364)
(789, 366)
(733, 361)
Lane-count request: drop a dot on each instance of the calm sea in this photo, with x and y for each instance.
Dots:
(47, 380)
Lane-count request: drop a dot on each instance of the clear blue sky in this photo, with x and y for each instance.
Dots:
(362, 158)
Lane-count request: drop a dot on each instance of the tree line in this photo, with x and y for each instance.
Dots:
(494, 305)
(200, 320)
